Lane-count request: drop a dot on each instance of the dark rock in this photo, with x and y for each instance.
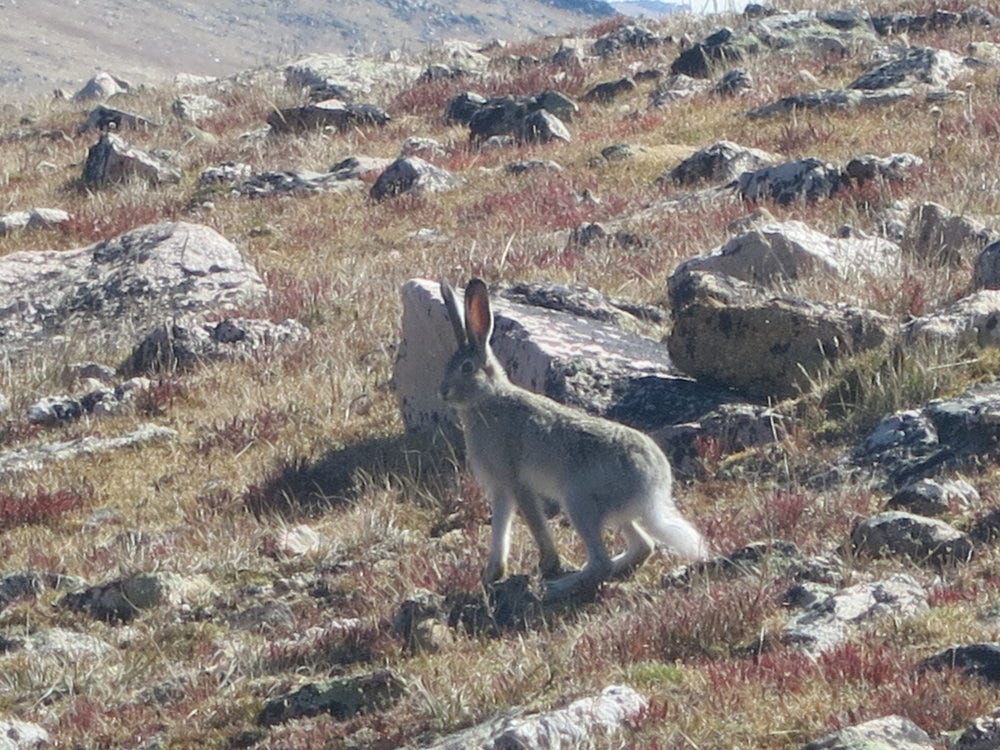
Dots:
(986, 272)
(411, 175)
(982, 734)
(626, 37)
(331, 113)
(986, 529)
(895, 167)
(461, 108)
(609, 90)
(121, 600)
(733, 82)
(719, 48)
(723, 161)
(113, 160)
(184, 344)
(975, 659)
(922, 540)
(915, 65)
(109, 118)
(805, 180)
(342, 698)
(16, 586)
(928, 497)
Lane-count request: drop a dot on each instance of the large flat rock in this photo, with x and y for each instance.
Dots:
(583, 362)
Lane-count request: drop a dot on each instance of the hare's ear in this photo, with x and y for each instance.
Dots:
(454, 314)
(478, 316)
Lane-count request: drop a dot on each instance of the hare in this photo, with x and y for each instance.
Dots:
(524, 448)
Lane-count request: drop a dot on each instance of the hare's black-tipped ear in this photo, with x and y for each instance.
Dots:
(478, 317)
(454, 314)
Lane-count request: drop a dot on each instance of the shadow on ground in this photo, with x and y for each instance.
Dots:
(301, 487)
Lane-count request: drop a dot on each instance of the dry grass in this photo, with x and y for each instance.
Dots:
(312, 435)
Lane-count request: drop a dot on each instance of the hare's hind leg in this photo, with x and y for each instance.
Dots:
(587, 521)
(640, 547)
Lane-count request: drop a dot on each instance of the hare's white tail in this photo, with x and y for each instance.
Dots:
(668, 527)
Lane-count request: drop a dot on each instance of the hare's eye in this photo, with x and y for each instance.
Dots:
(467, 367)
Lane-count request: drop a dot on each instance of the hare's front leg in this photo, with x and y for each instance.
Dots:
(534, 515)
(503, 515)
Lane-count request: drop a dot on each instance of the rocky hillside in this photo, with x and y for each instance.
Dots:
(234, 512)
(50, 43)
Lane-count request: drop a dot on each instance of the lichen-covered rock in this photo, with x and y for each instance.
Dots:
(887, 733)
(785, 251)
(332, 113)
(929, 497)
(829, 621)
(733, 334)
(21, 735)
(829, 100)
(123, 599)
(914, 65)
(804, 180)
(33, 218)
(182, 344)
(970, 321)
(920, 539)
(353, 75)
(112, 159)
(195, 107)
(341, 697)
(35, 457)
(109, 289)
(412, 175)
(578, 725)
(975, 659)
(723, 161)
(935, 235)
(590, 364)
(101, 86)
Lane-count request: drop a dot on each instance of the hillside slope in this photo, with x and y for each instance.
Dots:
(48, 43)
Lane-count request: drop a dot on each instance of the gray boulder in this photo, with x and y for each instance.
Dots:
(630, 36)
(266, 184)
(910, 67)
(836, 32)
(736, 335)
(935, 235)
(609, 90)
(985, 273)
(183, 344)
(587, 363)
(982, 734)
(109, 118)
(33, 218)
(894, 167)
(108, 290)
(227, 173)
(532, 165)
(20, 735)
(675, 87)
(412, 175)
(123, 599)
(830, 100)
(829, 621)
(577, 725)
(112, 159)
(929, 497)
(922, 540)
(784, 251)
(541, 126)
(101, 86)
(975, 659)
(195, 107)
(37, 457)
(970, 321)
(807, 179)
(353, 75)
(719, 48)
(340, 697)
(733, 83)
(723, 161)
(331, 113)
(887, 733)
